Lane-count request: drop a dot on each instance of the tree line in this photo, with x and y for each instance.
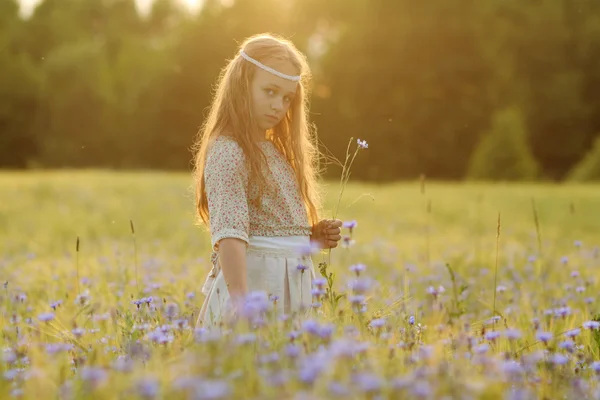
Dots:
(451, 89)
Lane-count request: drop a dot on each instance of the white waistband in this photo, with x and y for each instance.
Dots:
(278, 242)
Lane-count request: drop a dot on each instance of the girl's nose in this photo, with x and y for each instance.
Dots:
(277, 104)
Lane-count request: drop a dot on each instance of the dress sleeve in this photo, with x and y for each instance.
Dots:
(226, 183)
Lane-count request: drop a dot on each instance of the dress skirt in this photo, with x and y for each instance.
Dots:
(272, 267)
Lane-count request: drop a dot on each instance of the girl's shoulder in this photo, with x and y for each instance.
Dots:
(224, 151)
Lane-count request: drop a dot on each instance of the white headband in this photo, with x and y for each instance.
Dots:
(294, 78)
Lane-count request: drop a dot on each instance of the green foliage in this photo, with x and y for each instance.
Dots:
(503, 153)
(588, 169)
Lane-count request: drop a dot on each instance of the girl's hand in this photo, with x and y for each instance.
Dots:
(327, 233)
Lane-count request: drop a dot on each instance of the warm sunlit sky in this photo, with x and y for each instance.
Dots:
(28, 5)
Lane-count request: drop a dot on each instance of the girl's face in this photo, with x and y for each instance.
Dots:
(272, 95)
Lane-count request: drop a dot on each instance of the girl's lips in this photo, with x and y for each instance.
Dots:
(271, 117)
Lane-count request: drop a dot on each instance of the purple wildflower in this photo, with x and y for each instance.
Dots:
(568, 345)
(148, 388)
(360, 285)
(55, 304)
(94, 376)
(350, 225)
(544, 336)
(319, 282)
(301, 268)
(46, 317)
(212, 390)
(311, 327)
(338, 389)
(377, 323)
(492, 335)
(591, 325)
(362, 144)
(368, 382)
(357, 299)
(559, 359)
(292, 350)
(573, 332)
(357, 268)
(512, 334)
(313, 247)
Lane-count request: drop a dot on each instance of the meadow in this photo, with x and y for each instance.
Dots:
(448, 291)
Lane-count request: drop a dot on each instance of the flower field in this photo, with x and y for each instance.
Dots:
(438, 291)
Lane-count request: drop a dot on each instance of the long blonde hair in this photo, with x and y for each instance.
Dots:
(230, 113)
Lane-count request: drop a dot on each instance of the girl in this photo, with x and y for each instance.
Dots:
(256, 186)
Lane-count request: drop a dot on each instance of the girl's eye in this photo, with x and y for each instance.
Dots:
(270, 92)
(287, 99)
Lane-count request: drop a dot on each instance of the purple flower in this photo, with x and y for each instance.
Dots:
(411, 320)
(559, 359)
(308, 374)
(350, 225)
(292, 350)
(338, 389)
(319, 282)
(577, 243)
(544, 336)
(362, 144)
(568, 345)
(55, 304)
(311, 327)
(368, 382)
(573, 332)
(313, 247)
(492, 335)
(326, 331)
(358, 268)
(46, 317)
(301, 268)
(596, 366)
(357, 299)
(512, 334)
(212, 390)
(377, 323)
(94, 376)
(360, 285)
(591, 325)
(148, 388)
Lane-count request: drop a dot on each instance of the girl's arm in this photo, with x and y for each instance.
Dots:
(232, 257)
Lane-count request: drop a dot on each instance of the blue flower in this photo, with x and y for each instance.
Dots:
(512, 334)
(148, 388)
(357, 268)
(319, 282)
(368, 382)
(544, 336)
(591, 325)
(301, 268)
(311, 327)
(362, 144)
(377, 323)
(212, 390)
(46, 317)
(292, 350)
(360, 285)
(411, 320)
